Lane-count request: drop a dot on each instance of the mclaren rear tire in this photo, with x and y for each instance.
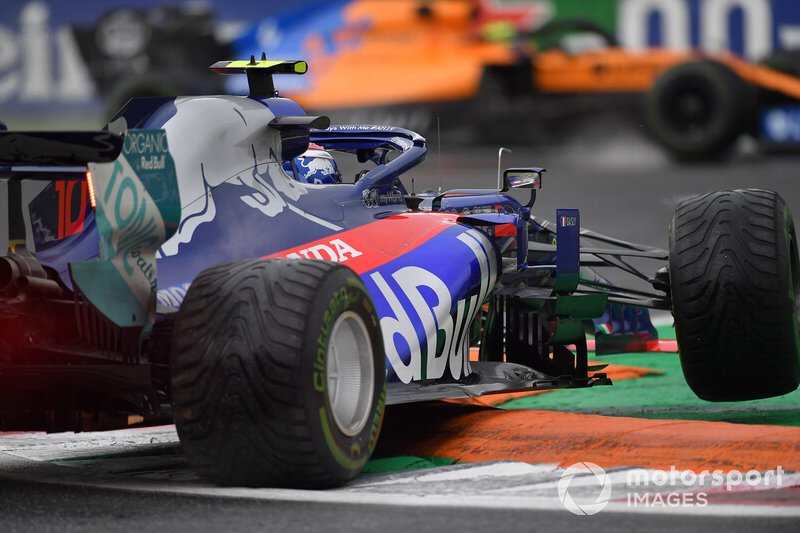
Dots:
(697, 110)
(278, 374)
(735, 286)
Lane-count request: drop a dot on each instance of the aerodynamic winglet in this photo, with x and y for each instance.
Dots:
(283, 123)
(259, 73)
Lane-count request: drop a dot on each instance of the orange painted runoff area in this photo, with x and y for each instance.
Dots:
(470, 433)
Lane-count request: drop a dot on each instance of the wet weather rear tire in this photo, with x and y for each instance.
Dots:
(278, 374)
(734, 281)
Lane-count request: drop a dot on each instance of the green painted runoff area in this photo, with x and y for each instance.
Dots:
(404, 463)
(660, 396)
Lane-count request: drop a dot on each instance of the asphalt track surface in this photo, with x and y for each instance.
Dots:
(624, 186)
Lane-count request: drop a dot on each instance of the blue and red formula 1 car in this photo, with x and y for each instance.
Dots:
(197, 260)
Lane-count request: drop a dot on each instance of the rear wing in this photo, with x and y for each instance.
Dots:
(58, 148)
(136, 207)
(33, 155)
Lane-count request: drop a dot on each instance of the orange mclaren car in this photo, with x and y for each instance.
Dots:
(411, 61)
(455, 58)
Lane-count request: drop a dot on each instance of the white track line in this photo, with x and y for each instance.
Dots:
(488, 485)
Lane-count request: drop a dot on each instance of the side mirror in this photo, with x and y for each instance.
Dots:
(522, 178)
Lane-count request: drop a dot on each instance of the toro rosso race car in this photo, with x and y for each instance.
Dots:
(196, 261)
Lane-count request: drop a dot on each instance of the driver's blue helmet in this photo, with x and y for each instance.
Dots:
(316, 165)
